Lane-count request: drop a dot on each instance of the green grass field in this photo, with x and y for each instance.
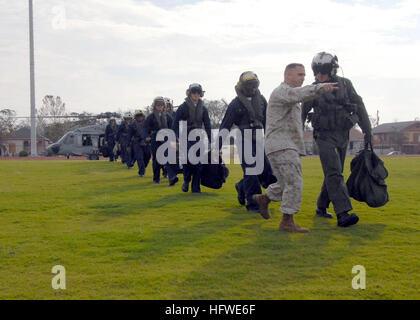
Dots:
(120, 237)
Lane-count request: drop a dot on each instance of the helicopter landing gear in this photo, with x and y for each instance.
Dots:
(93, 157)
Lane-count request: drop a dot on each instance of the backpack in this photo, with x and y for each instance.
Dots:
(213, 176)
(367, 180)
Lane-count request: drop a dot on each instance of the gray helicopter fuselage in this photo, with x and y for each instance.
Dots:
(85, 141)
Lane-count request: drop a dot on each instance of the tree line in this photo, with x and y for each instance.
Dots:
(53, 119)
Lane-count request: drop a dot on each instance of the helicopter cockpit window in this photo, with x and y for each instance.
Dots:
(87, 140)
(69, 139)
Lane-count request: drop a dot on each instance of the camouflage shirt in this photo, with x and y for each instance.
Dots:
(284, 117)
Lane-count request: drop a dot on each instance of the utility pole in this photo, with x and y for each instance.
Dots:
(34, 152)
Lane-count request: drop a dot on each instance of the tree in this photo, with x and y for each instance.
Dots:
(51, 107)
(7, 126)
(51, 121)
(217, 110)
(7, 122)
(148, 111)
(374, 120)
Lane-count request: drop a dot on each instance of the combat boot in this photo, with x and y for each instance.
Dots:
(323, 213)
(173, 181)
(345, 220)
(288, 225)
(185, 186)
(241, 195)
(263, 201)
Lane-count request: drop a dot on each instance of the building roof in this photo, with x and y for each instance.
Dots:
(24, 133)
(393, 127)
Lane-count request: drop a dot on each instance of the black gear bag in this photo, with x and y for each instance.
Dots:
(367, 180)
(213, 176)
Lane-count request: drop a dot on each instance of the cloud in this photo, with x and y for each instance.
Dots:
(121, 54)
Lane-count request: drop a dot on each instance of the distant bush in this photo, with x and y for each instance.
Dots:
(23, 154)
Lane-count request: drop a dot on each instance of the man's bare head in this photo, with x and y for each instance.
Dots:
(294, 75)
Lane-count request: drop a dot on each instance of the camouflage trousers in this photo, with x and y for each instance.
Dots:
(287, 167)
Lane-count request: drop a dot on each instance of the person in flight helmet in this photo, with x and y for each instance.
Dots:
(138, 143)
(334, 115)
(248, 111)
(155, 122)
(123, 139)
(196, 115)
(111, 138)
(169, 108)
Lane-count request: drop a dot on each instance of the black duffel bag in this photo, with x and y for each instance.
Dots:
(104, 151)
(213, 176)
(367, 180)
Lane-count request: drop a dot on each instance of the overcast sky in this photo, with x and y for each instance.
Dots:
(104, 55)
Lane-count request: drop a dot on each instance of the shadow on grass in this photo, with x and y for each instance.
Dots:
(168, 239)
(274, 261)
(136, 207)
(95, 167)
(174, 199)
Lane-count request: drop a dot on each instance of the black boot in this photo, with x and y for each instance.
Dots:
(173, 181)
(241, 195)
(345, 220)
(323, 213)
(185, 186)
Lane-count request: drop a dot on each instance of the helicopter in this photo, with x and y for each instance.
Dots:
(87, 141)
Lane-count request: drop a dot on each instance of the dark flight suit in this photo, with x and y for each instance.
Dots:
(165, 172)
(335, 114)
(123, 136)
(139, 146)
(150, 129)
(237, 114)
(191, 171)
(111, 139)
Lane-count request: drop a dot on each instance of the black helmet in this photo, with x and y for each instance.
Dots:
(325, 63)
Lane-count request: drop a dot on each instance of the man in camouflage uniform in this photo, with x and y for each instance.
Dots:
(335, 113)
(284, 144)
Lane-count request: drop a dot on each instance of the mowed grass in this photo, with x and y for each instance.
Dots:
(120, 237)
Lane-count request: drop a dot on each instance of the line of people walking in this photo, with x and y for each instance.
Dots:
(336, 109)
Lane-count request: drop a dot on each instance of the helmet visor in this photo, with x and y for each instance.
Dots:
(196, 91)
(325, 68)
(249, 88)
